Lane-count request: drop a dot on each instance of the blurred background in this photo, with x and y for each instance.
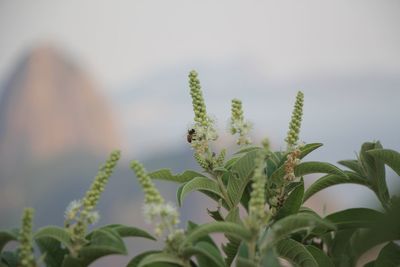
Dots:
(81, 78)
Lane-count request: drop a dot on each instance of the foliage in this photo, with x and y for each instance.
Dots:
(267, 185)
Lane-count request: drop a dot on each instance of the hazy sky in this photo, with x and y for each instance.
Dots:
(120, 41)
(263, 51)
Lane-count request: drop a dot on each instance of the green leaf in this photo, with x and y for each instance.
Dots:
(198, 184)
(206, 254)
(370, 264)
(134, 262)
(70, 261)
(385, 229)
(220, 169)
(340, 246)
(217, 227)
(166, 175)
(216, 197)
(353, 165)
(355, 218)
(295, 253)
(215, 214)
(232, 246)
(292, 224)
(277, 160)
(127, 231)
(243, 251)
(274, 161)
(247, 149)
(308, 148)
(103, 242)
(270, 259)
(9, 259)
(333, 179)
(231, 249)
(158, 258)
(241, 172)
(389, 256)
(375, 170)
(241, 262)
(191, 226)
(306, 210)
(7, 236)
(320, 257)
(231, 161)
(56, 233)
(52, 250)
(311, 167)
(388, 156)
(292, 203)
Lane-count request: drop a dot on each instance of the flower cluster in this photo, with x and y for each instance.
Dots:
(238, 124)
(211, 161)
(26, 256)
(257, 196)
(279, 195)
(203, 128)
(295, 123)
(80, 213)
(291, 162)
(163, 215)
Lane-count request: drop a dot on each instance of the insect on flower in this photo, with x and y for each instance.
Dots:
(190, 135)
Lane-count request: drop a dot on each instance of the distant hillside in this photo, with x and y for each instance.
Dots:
(55, 129)
(49, 106)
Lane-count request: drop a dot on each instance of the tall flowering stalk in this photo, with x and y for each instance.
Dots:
(257, 196)
(203, 130)
(257, 214)
(280, 195)
(163, 215)
(26, 257)
(238, 125)
(80, 213)
(295, 123)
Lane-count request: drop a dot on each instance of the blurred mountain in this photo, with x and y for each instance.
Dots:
(50, 106)
(55, 128)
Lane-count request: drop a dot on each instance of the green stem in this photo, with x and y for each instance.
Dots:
(252, 249)
(224, 191)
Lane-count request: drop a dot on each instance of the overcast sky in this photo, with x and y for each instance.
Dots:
(344, 54)
(120, 41)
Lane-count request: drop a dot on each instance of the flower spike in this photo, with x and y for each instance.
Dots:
(295, 123)
(26, 257)
(163, 215)
(238, 124)
(80, 213)
(257, 196)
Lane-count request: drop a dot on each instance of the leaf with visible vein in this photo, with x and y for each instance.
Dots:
(295, 253)
(198, 184)
(7, 236)
(241, 174)
(166, 175)
(292, 224)
(355, 218)
(217, 227)
(320, 257)
(158, 258)
(333, 179)
(389, 157)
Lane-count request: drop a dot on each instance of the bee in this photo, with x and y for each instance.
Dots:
(191, 135)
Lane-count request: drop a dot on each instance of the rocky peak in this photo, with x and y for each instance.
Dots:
(50, 106)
